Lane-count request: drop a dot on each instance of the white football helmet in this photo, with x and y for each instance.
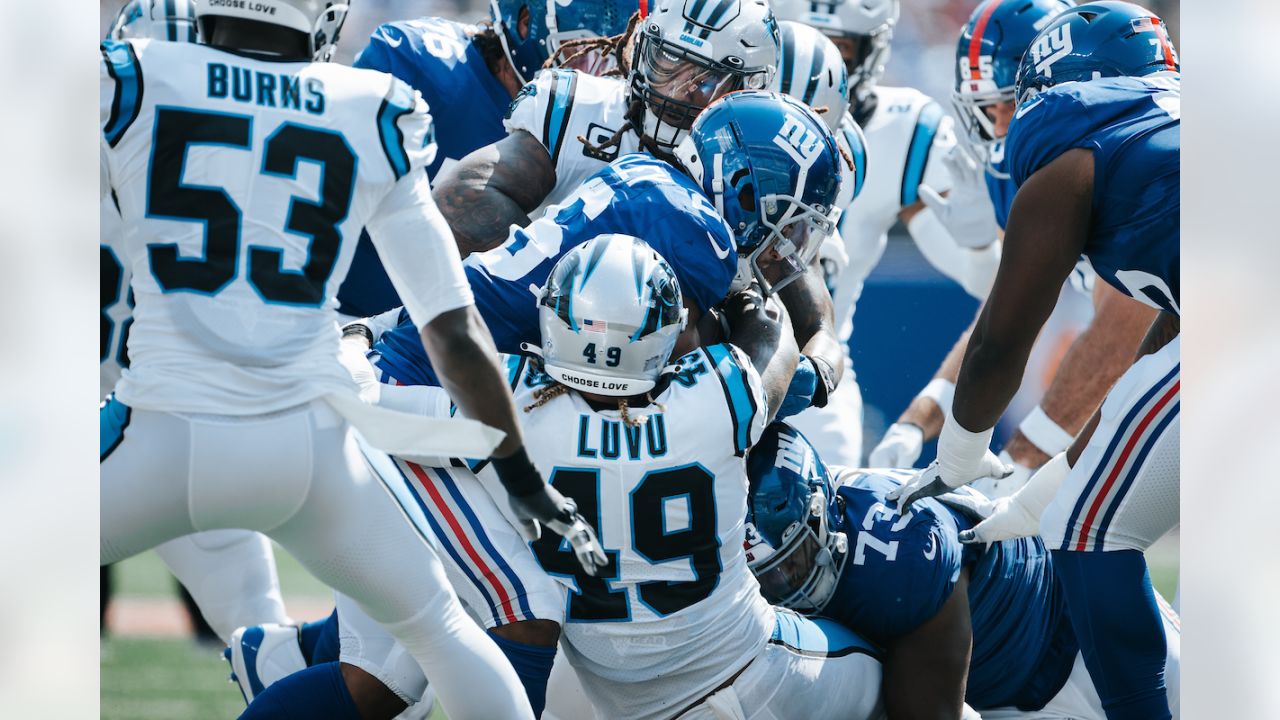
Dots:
(690, 52)
(866, 24)
(172, 20)
(319, 20)
(610, 312)
(813, 72)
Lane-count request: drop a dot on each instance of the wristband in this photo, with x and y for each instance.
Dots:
(941, 391)
(1040, 430)
(358, 329)
(959, 449)
(826, 383)
(517, 473)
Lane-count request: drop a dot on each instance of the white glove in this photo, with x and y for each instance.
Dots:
(969, 713)
(899, 448)
(353, 354)
(1019, 515)
(963, 457)
(995, 489)
(967, 212)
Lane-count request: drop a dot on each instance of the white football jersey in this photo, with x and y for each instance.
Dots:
(243, 184)
(677, 612)
(113, 284)
(907, 136)
(561, 108)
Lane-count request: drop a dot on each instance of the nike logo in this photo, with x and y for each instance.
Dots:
(394, 41)
(721, 253)
(933, 547)
(1027, 108)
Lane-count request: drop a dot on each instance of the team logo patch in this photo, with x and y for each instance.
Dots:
(801, 143)
(1050, 48)
(597, 136)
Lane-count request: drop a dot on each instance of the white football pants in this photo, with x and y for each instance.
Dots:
(302, 477)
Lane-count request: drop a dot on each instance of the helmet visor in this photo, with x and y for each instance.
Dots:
(687, 83)
(789, 570)
(792, 243)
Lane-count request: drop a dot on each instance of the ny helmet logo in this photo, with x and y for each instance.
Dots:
(1050, 48)
(801, 143)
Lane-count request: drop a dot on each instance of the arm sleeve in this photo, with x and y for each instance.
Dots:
(1041, 131)
(418, 251)
(678, 223)
(974, 269)
(744, 394)
(932, 138)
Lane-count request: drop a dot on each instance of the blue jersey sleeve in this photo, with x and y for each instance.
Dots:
(676, 219)
(1044, 128)
(900, 569)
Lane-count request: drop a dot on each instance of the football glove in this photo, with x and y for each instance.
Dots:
(899, 448)
(967, 212)
(993, 488)
(963, 457)
(535, 503)
(1019, 515)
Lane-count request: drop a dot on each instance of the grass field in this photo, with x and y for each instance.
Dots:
(172, 678)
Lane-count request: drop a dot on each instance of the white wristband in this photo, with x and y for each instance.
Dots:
(941, 391)
(960, 451)
(1040, 430)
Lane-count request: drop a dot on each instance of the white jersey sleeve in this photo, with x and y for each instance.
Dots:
(907, 136)
(676, 611)
(573, 115)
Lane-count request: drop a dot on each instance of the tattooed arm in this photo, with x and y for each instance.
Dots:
(494, 188)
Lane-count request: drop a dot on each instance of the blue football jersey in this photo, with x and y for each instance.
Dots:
(1000, 185)
(901, 570)
(437, 58)
(635, 195)
(1132, 126)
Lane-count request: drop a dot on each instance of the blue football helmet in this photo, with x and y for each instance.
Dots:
(989, 53)
(1101, 39)
(792, 545)
(772, 170)
(552, 23)
(172, 20)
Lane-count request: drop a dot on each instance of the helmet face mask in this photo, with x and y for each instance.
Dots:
(771, 168)
(792, 544)
(610, 313)
(681, 64)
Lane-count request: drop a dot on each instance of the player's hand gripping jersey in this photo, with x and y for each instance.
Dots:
(1133, 127)
(243, 184)
(561, 108)
(636, 195)
(676, 612)
(902, 568)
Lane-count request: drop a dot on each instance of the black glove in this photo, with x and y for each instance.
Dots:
(536, 503)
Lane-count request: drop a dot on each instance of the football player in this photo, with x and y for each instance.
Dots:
(234, 412)
(907, 137)
(654, 451)
(983, 625)
(774, 201)
(990, 49)
(230, 574)
(1095, 150)
(566, 125)
(468, 75)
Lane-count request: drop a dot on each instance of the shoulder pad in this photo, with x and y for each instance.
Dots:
(120, 64)
(743, 392)
(542, 108)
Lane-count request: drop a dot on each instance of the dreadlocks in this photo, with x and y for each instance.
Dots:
(546, 394)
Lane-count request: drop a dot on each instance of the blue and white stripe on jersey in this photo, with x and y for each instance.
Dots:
(918, 152)
(113, 419)
(1121, 462)
(559, 106)
(742, 404)
(122, 66)
(398, 103)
